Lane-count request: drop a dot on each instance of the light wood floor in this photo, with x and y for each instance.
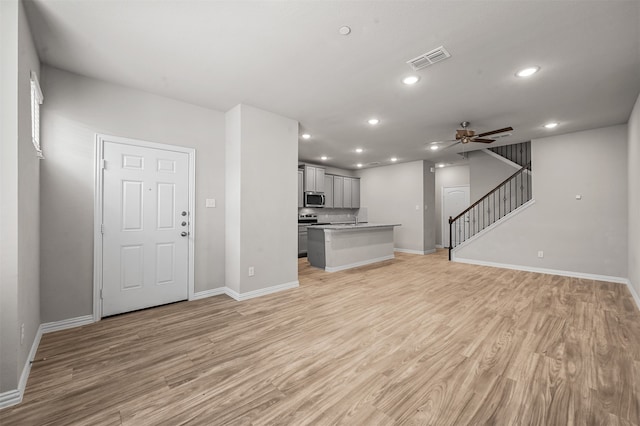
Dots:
(414, 340)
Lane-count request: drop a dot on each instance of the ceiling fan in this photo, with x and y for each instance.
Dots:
(465, 135)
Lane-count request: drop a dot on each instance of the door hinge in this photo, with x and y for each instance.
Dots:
(103, 164)
(102, 228)
(100, 293)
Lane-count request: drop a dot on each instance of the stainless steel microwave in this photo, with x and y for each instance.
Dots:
(314, 199)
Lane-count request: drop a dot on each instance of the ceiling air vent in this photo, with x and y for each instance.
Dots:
(429, 58)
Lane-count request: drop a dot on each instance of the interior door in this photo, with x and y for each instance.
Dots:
(146, 227)
(454, 201)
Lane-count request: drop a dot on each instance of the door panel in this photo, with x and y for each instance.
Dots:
(145, 258)
(455, 201)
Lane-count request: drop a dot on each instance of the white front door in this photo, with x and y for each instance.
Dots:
(145, 252)
(454, 201)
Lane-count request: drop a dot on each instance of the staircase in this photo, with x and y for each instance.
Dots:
(519, 153)
(506, 197)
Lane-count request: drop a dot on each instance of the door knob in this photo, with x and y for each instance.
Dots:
(184, 234)
(184, 213)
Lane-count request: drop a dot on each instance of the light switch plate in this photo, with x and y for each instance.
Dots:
(210, 202)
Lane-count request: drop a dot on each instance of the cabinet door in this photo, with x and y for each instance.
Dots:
(300, 189)
(355, 193)
(346, 193)
(338, 183)
(320, 187)
(309, 178)
(328, 191)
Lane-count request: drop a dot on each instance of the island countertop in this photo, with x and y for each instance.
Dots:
(353, 226)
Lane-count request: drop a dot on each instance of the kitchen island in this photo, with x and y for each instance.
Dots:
(338, 247)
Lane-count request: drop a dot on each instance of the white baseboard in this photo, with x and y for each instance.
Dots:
(572, 274)
(14, 396)
(208, 293)
(401, 250)
(261, 292)
(439, 246)
(68, 323)
(356, 264)
(634, 293)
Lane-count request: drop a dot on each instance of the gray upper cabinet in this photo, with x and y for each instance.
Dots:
(338, 183)
(328, 191)
(346, 192)
(355, 193)
(300, 189)
(313, 179)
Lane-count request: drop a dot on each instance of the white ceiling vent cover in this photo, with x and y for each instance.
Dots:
(429, 58)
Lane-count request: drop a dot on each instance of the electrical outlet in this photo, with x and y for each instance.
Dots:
(540, 254)
(22, 334)
(252, 271)
(210, 202)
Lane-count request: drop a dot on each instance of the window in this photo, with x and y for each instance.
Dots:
(36, 100)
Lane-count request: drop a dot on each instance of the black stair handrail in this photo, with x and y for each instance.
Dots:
(481, 200)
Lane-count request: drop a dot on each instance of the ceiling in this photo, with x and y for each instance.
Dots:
(288, 57)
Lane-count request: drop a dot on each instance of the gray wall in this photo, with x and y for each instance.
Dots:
(19, 190)
(583, 236)
(485, 173)
(391, 195)
(633, 161)
(262, 191)
(446, 177)
(76, 108)
(431, 221)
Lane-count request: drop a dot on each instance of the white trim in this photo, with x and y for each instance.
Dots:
(356, 264)
(9, 398)
(439, 246)
(50, 327)
(497, 223)
(634, 293)
(98, 217)
(572, 274)
(261, 292)
(401, 250)
(208, 293)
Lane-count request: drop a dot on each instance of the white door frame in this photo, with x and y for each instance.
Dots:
(98, 211)
(445, 220)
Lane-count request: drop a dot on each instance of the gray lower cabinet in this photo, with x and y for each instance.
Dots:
(302, 240)
(328, 191)
(338, 190)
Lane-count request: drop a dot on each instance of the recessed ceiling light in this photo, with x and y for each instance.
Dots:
(434, 147)
(324, 157)
(527, 72)
(359, 150)
(359, 165)
(410, 80)
(394, 159)
(306, 136)
(345, 30)
(551, 125)
(440, 165)
(373, 121)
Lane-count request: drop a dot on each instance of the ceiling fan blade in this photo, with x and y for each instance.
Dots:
(453, 144)
(495, 132)
(483, 140)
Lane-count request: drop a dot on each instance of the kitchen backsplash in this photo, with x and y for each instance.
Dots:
(337, 215)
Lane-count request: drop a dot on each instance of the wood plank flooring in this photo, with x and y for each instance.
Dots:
(415, 340)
